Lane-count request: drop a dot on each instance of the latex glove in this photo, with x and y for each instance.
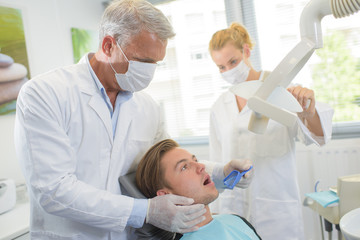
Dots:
(175, 213)
(240, 165)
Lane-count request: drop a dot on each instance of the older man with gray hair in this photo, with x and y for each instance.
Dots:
(78, 128)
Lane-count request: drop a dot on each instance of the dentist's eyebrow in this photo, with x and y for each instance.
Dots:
(183, 160)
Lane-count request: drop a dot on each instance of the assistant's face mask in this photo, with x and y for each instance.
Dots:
(237, 75)
(138, 75)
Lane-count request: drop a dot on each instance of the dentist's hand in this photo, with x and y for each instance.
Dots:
(240, 165)
(175, 213)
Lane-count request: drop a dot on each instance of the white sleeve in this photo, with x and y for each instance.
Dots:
(325, 113)
(49, 164)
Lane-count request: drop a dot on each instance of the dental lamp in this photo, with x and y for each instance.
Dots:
(262, 101)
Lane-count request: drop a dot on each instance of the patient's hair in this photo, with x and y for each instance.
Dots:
(149, 174)
(237, 34)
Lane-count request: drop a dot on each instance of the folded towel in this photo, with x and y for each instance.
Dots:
(325, 198)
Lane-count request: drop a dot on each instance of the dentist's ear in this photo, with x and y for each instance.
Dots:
(107, 45)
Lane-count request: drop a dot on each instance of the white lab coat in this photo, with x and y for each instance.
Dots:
(70, 160)
(272, 202)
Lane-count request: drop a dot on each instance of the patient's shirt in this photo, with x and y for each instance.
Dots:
(224, 226)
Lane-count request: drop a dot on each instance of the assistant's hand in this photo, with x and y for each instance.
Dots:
(175, 213)
(303, 95)
(309, 114)
(240, 165)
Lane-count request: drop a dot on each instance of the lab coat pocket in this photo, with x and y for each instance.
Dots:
(277, 219)
(275, 142)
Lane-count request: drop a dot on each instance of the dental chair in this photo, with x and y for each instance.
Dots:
(148, 231)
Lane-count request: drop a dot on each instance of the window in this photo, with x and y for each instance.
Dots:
(187, 83)
(333, 71)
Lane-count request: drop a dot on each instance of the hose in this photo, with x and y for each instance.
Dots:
(344, 8)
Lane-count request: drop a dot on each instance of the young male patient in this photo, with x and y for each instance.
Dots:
(168, 169)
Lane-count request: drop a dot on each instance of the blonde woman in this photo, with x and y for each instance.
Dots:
(272, 203)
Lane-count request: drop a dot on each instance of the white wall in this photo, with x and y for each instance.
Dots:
(47, 25)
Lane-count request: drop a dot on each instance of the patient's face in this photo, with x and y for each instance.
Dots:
(186, 177)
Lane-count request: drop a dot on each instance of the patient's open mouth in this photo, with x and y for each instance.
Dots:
(207, 180)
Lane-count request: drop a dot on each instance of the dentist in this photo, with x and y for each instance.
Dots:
(78, 128)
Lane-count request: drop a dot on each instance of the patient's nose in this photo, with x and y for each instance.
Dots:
(200, 167)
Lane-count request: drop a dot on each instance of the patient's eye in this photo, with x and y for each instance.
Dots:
(184, 167)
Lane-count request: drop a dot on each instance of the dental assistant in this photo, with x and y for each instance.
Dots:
(272, 203)
(78, 128)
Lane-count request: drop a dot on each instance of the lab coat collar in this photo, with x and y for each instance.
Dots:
(229, 98)
(98, 104)
(126, 115)
(88, 86)
(88, 83)
(85, 80)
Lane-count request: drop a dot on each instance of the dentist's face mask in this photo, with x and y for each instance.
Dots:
(138, 75)
(237, 75)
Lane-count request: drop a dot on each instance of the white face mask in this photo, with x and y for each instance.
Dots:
(138, 75)
(236, 75)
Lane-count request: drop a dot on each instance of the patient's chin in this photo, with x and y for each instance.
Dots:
(209, 198)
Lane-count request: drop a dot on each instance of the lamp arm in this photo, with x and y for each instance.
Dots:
(294, 61)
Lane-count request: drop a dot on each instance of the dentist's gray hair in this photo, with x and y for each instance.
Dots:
(124, 19)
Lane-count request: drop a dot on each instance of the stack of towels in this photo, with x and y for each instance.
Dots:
(12, 77)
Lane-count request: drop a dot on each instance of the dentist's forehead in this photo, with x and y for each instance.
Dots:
(147, 45)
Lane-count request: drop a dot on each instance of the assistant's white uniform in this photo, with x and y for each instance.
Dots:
(272, 202)
(71, 162)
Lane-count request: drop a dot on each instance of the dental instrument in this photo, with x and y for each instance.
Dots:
(234, 177)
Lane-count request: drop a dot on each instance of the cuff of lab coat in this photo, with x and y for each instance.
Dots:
(138, 213)
(308, 137)
(325, 113)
